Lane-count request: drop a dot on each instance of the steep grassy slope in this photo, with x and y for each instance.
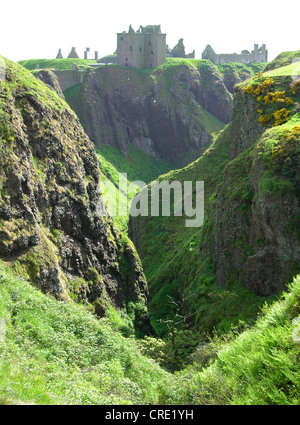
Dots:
(283, 59)
(58, 353)
(259, 367)
(53, 225)
(134, 171)
(291, 69)
(248, 247)
(234, 73)
(137, 165)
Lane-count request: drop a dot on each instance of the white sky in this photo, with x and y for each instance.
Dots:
(36, 29)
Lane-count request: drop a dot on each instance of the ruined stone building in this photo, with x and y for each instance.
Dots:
(59, 54)
(245, 57)
(144, 48)
(74, 55)
(178, 51)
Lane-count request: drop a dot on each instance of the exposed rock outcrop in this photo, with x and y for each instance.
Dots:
(53, 225)
(170, 113)
(256, 232)
(50, 79)
(252, 240)
(250, 234)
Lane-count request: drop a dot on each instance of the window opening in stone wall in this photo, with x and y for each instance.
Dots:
(131, 48)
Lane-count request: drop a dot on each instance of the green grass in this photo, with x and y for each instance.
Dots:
(138, 165)
(59, 64)
(283, 59)
(233, 68)
(57, 353)
(171, 63)
(204, 65)
(19, 82)
(259, 367)
(287, 70)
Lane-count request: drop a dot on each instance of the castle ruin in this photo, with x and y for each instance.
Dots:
(178, 51)
(144, 48)
(245, 57)
(74, 55)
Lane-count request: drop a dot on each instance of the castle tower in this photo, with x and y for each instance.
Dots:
(145, 48)
(260, 54)
(73, 54)
(86, 53)
(264, 53)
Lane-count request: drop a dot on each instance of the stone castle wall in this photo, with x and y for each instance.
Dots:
(69, 77)
(257, 55)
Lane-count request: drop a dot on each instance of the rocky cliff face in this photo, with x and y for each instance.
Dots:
(255, 240)
(53, 224)
(257, 211)
(170, 113)
(250, 234)
(50, 79)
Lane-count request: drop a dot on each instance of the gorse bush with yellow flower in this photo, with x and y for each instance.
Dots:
(272, 104)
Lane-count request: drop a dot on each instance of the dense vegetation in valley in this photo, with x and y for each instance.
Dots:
(59, 353)
(138, 169)
(171, 314)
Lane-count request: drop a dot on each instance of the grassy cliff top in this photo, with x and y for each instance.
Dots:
(59, 64)
(17, 79)
(168, 64)
(292, 70)
(283, 59)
